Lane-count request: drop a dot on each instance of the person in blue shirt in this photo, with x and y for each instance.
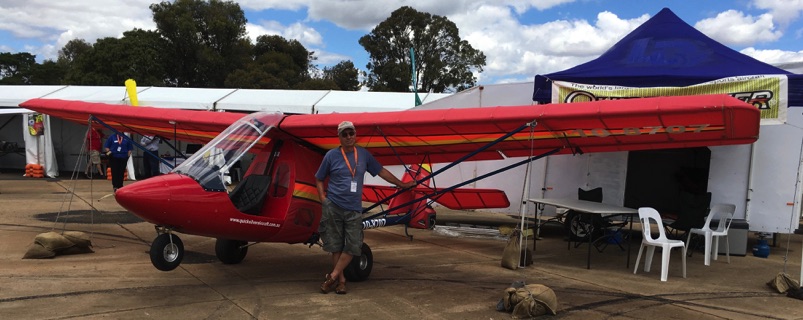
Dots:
(118, 149)
(341, 219)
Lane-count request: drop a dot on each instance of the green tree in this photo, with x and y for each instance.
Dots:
(444, 62)
(205, 40)
(277, 63)
(344, 75)
(110, 61)
(71, 57)
(144, 61)
(47, 73)
(16, 68)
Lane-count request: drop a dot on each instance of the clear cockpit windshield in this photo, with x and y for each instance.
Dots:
(209, 165)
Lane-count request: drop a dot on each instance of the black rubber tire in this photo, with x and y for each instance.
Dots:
(578, 225)
(360, 267)
(165, 254)
(230, 251)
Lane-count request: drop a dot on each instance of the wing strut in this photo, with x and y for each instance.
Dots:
(454, 163)
(402, 218)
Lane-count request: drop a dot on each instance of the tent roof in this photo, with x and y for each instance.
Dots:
(287, 101)
(503, 94)
(344, 101)
(105, 94)
(12, 96)
(664, 51)
(181, 98)
(244, 100)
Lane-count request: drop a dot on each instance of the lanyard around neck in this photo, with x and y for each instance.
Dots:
(356, 157)
(119, 140)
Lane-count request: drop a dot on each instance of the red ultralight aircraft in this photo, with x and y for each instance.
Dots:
(277, 200)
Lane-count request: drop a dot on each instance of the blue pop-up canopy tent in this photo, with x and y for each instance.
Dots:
(665, 51)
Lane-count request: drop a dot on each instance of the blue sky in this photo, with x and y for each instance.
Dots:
(521, 38)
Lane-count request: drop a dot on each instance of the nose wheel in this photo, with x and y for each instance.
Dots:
(167, 250)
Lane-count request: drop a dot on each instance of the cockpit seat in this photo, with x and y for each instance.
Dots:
(249, 195)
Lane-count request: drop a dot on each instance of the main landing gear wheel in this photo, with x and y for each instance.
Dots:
(230, 251)
(360, 267)
(167, 250)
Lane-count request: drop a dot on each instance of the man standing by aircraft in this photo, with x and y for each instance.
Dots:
(341, 219)
(118, 149)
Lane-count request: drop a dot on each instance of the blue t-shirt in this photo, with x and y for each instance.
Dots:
(339, 188)
(119, 145)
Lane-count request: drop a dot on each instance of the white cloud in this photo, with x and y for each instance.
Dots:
(773, 56)
(782, 11)
(307, 35)
(365, 14)
(57, 22)
(515, 50)
(329, 58)
(737, 29)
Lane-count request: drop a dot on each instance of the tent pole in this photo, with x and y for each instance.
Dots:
(797, 200)
(525, 191)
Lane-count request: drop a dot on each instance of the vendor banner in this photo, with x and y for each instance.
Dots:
(768, 93)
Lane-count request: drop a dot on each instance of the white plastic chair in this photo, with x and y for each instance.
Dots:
(646, 215)
(723, 212)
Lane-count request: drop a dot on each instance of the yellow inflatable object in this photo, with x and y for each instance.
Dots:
(131, 88)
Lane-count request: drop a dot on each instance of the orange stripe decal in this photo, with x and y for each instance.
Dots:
(306, 191)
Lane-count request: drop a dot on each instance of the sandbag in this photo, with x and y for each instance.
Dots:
(80, 239)
(530, 301)
(53, 241)
(511, 253)
(38, 251)
(528, 309)
(76, 250)
(50, 244)
(783, 282)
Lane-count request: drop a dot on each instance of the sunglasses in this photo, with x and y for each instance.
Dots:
(348, 133)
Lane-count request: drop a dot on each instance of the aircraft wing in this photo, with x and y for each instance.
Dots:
(445, 135)
(185, 125)
(457, 199)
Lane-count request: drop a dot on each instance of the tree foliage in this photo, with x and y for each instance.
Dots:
(73, 58)
(15, 68)
(111, 60)
(21, 69)
(444, 62)
(344, 75)
(205, 40)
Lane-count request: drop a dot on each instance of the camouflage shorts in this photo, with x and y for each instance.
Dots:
(340, 229)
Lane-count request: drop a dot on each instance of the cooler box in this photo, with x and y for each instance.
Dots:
(737, 236)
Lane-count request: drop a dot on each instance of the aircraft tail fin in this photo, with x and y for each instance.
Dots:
(422, 216)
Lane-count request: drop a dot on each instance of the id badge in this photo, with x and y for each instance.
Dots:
(354, 186)
(118, 149)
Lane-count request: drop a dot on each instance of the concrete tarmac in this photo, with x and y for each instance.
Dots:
(438, 275)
